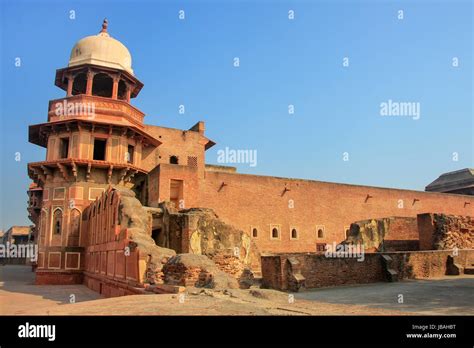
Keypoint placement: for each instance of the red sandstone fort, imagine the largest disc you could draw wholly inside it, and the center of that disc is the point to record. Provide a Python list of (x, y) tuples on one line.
[(116, 198)]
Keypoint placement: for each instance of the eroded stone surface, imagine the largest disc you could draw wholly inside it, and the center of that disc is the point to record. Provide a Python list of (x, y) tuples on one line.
[(231, 249), (385, 234), (134, 219), (453, 232)]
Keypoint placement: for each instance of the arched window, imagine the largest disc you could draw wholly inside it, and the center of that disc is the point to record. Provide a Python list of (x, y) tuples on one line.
[(294, 233), (79, 84), (102, 85), (320, 233), (57, 221), (173, 160), (254, 233), (275, 233), (75, 227)]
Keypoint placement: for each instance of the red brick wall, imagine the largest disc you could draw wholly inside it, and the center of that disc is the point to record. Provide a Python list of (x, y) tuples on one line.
[(321, 271), (159, 184), (248, 201), (402, 229), (174, 142), (426, 264), (425, 230)]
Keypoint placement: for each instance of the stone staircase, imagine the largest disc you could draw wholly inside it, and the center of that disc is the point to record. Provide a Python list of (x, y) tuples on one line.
[(296, 280), (454, 268), (390, 272), (469, 269)]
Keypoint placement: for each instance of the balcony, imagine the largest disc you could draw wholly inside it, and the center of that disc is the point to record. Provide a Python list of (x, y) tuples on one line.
[(69, 168), (96, 108)]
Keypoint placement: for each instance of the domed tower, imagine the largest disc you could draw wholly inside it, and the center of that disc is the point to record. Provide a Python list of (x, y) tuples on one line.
[(94, 138)]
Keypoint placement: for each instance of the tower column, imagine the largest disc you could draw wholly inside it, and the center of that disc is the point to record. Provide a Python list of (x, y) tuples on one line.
[(70, 81), (90, 79), (116, 79), (128, 92)]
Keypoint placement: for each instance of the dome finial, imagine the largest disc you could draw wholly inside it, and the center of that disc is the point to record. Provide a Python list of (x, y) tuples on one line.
[(105, 23)]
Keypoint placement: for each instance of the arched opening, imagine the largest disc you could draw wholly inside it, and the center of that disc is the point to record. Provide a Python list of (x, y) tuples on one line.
[(75, 224), (57, 221), (158, 236), (275, 233), (79, 84), (254, 233), (122, 90), (320, 233), (102, 85), (173, 160), (294, 233)]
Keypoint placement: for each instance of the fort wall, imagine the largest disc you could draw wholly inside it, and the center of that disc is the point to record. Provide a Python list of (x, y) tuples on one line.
[(316, 270), (261, 202)]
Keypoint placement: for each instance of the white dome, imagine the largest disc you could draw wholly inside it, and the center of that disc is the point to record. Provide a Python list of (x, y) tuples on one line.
[(101, 50)]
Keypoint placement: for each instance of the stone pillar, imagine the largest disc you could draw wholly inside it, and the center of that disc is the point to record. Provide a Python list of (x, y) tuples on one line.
[(90, 79), (128, 93), (115, 87), (70, 81)]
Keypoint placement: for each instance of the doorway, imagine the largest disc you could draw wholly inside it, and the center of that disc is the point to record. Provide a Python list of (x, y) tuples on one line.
[(157, 236)]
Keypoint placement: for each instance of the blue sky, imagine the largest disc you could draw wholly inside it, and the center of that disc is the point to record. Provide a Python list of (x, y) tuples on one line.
[(282, 62)]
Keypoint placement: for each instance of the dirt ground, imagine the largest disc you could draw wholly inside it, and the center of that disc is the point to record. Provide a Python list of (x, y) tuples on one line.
[(18, 295), (441, 296)]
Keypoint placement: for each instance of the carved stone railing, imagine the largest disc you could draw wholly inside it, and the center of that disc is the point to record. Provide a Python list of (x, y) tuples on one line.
[(93, 108)]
